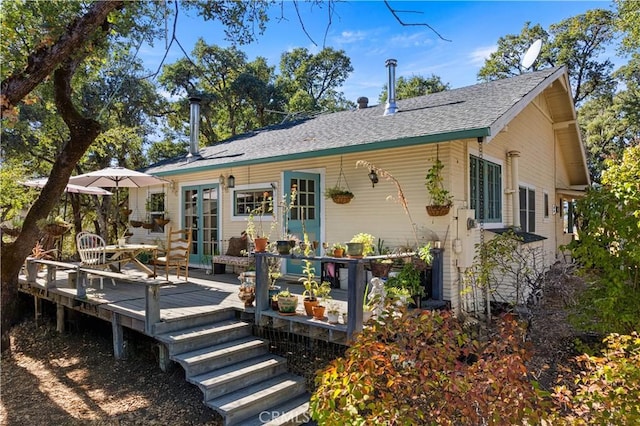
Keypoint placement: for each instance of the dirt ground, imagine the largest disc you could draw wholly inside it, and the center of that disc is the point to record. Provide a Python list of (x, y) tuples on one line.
[(73, 379)]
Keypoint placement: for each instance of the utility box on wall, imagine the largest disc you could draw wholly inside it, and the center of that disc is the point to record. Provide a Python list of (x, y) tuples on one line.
[(464, 244)]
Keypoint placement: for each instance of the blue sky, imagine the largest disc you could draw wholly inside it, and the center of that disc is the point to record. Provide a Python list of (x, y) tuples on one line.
[(369, 34)]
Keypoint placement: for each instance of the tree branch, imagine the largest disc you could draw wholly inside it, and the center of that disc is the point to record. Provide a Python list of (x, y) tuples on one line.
[(395, 12), (45, 59)]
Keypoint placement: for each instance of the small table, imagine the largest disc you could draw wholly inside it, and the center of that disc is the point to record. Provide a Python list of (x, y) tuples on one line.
[(129, 252)]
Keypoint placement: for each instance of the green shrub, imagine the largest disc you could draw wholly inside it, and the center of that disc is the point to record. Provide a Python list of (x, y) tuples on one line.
[(608, 249), (423, 368), (608, 390)]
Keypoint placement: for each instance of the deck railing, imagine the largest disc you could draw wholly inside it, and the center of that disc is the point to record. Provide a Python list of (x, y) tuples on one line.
[(355, 286)]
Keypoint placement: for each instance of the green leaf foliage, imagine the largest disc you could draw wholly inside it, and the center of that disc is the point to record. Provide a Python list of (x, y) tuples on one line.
[(608, 248)]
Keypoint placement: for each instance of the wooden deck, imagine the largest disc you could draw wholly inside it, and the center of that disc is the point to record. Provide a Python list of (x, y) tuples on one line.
[(180, 300)]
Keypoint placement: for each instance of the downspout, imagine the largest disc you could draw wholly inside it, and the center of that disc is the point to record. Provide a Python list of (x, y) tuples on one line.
[(515, 195)]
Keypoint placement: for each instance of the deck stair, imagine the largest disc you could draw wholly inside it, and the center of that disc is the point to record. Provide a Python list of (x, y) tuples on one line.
[(238, 376)]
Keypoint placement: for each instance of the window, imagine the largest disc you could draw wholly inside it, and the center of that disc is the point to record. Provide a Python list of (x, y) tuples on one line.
[(527, 209), (546, 205), (247, 200), (155, 207), (568, 219), (487, 176)]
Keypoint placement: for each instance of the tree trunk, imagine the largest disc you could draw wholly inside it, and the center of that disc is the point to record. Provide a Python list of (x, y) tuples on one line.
[(82, 132)]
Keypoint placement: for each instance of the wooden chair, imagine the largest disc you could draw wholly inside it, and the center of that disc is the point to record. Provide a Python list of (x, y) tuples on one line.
[(91, 248), (177, 253)]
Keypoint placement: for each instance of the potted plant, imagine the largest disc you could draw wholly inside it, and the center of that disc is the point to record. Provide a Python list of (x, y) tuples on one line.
[(338, 194), (333, 314), (381, 267), (441, 199), (256, 232), (54, 227), (397, 295), (361, 245), (338, 249), (408, 278), (287, 302), (322, 293), (247, 293)]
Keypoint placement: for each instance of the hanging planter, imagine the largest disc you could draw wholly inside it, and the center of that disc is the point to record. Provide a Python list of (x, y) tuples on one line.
[(148, 225), (135, 223), (161, 221), (438, 210), (341, 198), (339, 194), (441, 199)]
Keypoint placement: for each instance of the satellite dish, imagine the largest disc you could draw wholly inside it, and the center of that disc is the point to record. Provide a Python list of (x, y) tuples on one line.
[(532, 54)]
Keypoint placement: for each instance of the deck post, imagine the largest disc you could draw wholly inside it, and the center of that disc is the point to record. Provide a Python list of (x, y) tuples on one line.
[(37, 306), (118, 336), (81, 280), (152, 307), (262, 286), (163, 358), (51, 276), (32, 271), (355, 297), (59, 317)]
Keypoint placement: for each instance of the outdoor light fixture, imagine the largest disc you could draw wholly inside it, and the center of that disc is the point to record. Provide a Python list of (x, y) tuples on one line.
[(231, 182), (373, 177)]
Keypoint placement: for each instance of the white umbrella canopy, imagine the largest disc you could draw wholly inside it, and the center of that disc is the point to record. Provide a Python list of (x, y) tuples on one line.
[(118, 177), (70, 188)]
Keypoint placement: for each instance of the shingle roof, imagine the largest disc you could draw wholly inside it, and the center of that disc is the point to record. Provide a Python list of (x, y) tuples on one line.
[(467, 112)]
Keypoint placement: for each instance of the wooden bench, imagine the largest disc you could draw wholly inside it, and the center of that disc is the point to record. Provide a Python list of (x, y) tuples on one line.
[(241, 262)]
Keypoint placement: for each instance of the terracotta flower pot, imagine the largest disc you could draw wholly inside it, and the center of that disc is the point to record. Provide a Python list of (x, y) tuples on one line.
[(318, 312), (309, 304), (261, 244)]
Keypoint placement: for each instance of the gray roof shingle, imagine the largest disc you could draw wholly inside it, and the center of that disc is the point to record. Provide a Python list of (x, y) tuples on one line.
[(454, 114)]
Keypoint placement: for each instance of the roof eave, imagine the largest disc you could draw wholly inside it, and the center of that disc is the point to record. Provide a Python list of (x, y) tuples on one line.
[(373, 146), (519, 106)]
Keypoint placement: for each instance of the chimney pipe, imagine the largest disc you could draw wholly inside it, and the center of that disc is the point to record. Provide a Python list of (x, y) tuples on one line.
[(194, 122), (391, 108), (363, 102)]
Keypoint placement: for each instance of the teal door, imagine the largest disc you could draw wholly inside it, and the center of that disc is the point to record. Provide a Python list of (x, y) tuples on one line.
[(305, 214), (200, 212)]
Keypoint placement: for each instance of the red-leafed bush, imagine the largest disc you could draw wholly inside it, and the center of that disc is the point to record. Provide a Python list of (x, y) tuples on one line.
[(424, 368)]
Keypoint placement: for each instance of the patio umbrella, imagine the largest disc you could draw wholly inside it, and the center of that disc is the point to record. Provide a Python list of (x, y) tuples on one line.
[(116, 177), (70, 188), (74, 189)]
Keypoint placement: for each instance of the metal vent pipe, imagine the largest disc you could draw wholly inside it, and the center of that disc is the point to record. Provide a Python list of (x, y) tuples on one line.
[(194, 126), (391, 108)]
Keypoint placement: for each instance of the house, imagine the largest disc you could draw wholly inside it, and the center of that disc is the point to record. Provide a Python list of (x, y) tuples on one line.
[(512, 146)]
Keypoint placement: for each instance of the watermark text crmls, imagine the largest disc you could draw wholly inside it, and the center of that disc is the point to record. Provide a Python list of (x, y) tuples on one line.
[(267, 416)]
